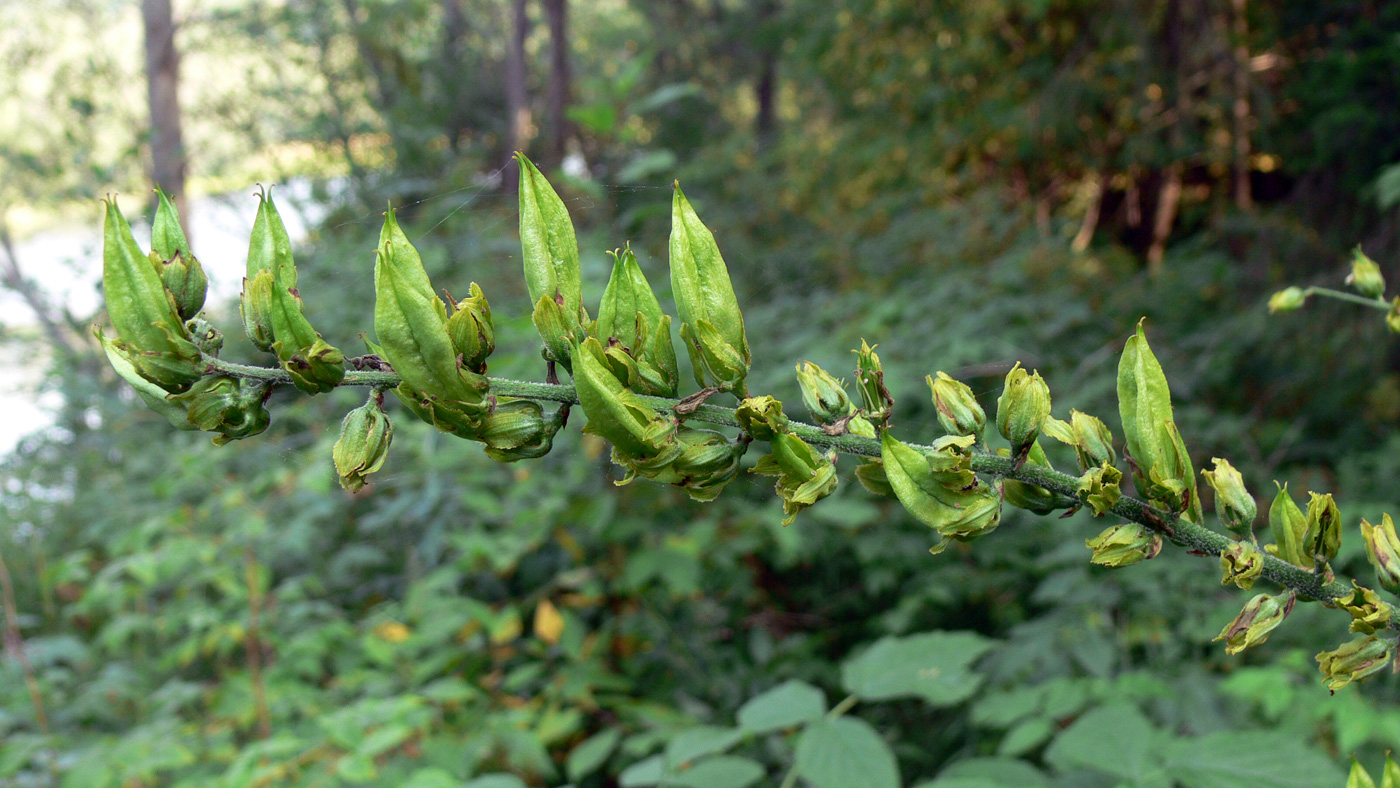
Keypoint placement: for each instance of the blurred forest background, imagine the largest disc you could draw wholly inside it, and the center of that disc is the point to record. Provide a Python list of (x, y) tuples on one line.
[(970, 184)]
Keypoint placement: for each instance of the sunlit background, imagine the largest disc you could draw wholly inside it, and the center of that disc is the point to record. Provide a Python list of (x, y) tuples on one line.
[(969, 184)]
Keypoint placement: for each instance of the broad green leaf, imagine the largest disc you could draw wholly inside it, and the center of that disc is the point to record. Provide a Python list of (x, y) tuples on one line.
[(931, 665), (1026, 736), (1004, 709), (999, 771), (721, 771), (591, 753), (785, 706), (843, 753), (1116, 739), (647, 771), (495, 781), (431, 777), (701, 740), (1260, 760)]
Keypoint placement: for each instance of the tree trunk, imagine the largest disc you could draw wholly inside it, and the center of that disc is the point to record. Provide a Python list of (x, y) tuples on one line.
[(1244, 197), (556, 15), (162, 84), (765, 122), (517, 100)]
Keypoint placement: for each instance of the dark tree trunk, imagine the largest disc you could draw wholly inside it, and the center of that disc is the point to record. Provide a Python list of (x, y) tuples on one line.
[(556, 14), (1244, 198), (162, 84), (517, 100), (765, 123)]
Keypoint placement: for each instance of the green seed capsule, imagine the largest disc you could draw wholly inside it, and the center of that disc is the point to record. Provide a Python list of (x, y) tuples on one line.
[(825, 396), (1233, 503), (1163, 466), (1260, 617), (148, 326), (411, 325), (154, 396), (1323, 535), (1241, 563), (550, 252), (1370, 614), (179, 270), (1365, 275), (957, 406), (365, 435), (711, 324), (1354, 661), (233, 408), (1289, 527), (1023, 407), (470, 328), (631, 317), (1287, 299), (939, 489), (1124, 545), (1101, 488), (1383, 551)]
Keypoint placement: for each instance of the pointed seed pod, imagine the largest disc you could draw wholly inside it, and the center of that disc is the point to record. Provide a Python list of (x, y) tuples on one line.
[(1124, 545), (1241, 563), (548, 245), (876, 402), (1289, 527), (470, 328), (1163, 466), (365, 435), (1234, 505), (711, 324), (142, 311), (1358, 778), (631, 316), (179, 270), (825, 396), (517, 430), (155, 397), (957, 406), (1323, 535), (1354, 661), (1383, 551), (1365, 276), (1022, 408), (1261, 616)]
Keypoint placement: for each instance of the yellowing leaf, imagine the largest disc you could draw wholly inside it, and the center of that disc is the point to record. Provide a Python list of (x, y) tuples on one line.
[(549, 624)]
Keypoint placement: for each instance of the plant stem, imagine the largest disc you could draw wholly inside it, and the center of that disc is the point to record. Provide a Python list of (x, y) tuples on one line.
[(1342, 295), (1194, 537)]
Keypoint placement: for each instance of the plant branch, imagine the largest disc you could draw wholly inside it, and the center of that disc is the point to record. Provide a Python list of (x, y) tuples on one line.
[(1196, 538), (1342, 295)]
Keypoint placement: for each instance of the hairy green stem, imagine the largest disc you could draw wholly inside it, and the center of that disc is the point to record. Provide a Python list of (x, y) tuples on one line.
[(1196, 538)]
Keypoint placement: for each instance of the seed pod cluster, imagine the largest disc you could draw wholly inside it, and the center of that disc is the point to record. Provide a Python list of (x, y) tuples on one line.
[(433, 354)]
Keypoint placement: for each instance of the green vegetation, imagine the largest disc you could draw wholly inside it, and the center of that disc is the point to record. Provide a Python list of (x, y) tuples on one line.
[(972, 185)]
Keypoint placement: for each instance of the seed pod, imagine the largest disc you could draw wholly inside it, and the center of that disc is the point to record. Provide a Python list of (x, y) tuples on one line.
[(154, 396), (1260, 617), (804, 475), (1289, 527), (1365, 276), (411, 325), (761, 417), (142, 311), (365, 435), (940, 490), (181, 273), (233, 408), (470, 328), (550, 253), (1383, 550), (1124, 545), (707, 463), (275, 306), (876, 402), (957, 406), (1023, 407), (824, 395), (1323, 536), (517, 430), (1369, 613), (1092, 442), (1358, 778), (1354, 661), (1392, 317), (615, 414), (1163, 466), (630, 315), (1233, 503), (1241, 563), (1027, 496), (1101, 488), (1287, 299), (712, 326)]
